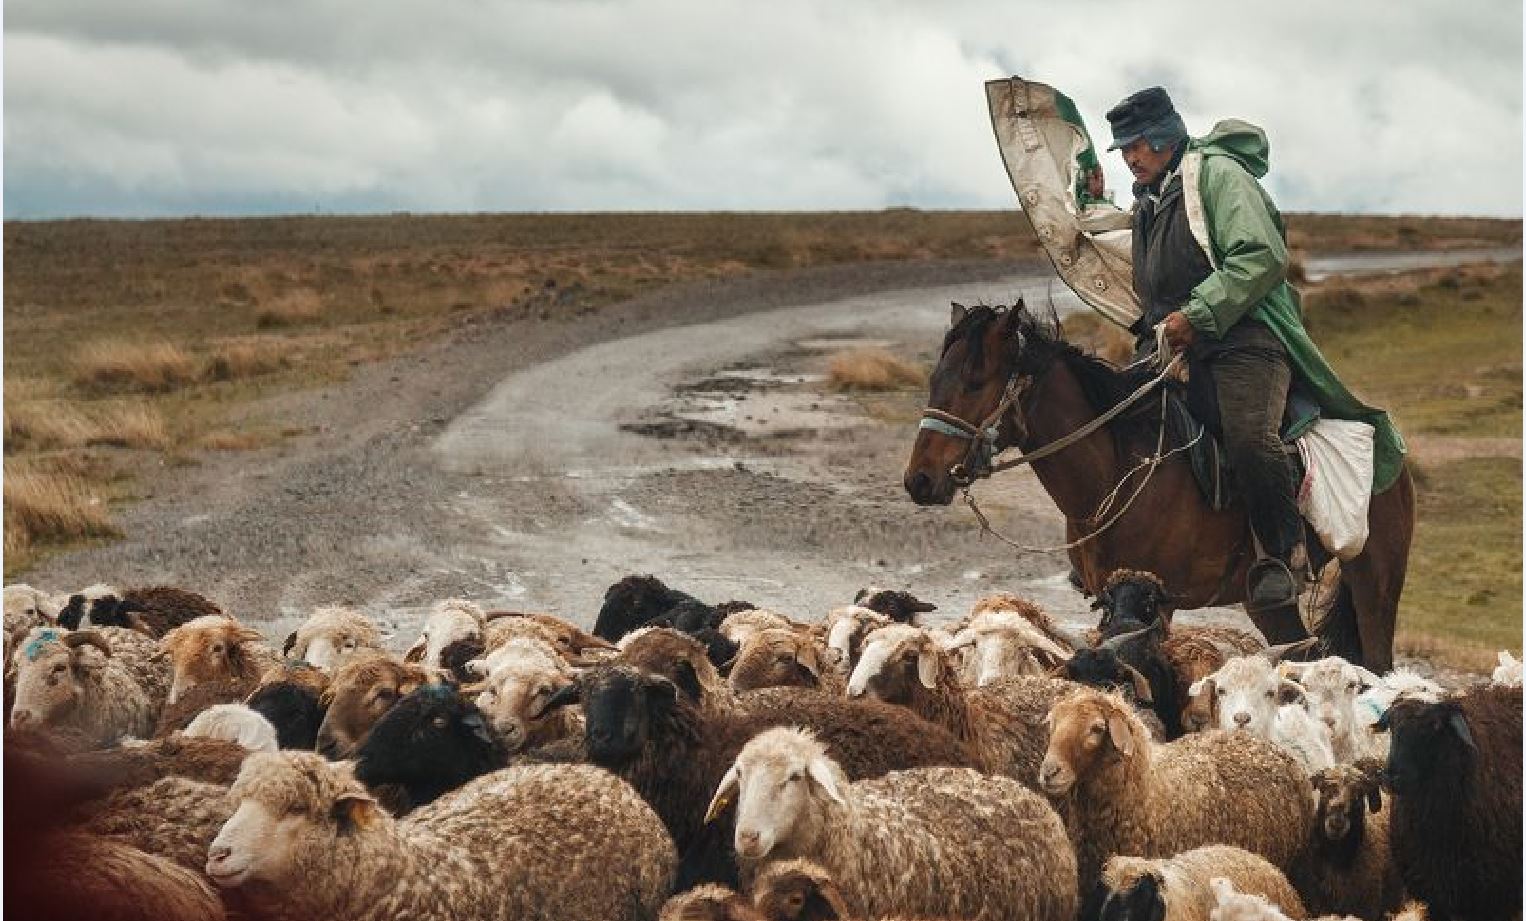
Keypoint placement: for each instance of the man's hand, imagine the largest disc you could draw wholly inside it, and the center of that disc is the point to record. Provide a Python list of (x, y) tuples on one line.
[(1179, 331)]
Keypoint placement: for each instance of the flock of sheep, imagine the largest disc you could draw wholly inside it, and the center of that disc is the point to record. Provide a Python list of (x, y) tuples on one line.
[(694, 761)]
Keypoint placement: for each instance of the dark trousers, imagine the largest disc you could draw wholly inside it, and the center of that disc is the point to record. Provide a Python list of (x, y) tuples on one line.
[(1251, 384)]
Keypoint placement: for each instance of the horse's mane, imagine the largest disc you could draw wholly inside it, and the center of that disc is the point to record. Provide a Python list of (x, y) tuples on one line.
[(1039, 341)]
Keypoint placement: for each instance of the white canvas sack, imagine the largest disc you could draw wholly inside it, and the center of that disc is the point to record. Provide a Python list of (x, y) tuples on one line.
[(1337, 483)]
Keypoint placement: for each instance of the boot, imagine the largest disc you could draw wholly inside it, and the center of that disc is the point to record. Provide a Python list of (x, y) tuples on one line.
[(1271, 596)]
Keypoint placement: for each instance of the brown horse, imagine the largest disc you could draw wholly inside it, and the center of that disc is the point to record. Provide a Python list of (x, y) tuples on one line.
[(1201, 554)]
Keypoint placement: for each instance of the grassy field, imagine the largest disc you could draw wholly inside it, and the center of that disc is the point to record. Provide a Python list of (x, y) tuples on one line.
[(130, 343)]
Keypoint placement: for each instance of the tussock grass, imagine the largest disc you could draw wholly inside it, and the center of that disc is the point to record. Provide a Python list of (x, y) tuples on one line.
[(121, 367), (129, 425), (873, 369), (245, 359), (292, 308), (55, 424), (55, 507)]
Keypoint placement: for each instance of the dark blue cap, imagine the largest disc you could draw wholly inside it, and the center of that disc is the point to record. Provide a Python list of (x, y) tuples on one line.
[(1146, 114)]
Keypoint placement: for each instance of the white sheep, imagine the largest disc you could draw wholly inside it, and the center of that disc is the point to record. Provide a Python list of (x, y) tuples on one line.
[(739, 625), (105, 683), (454, 620), (236, 723), (1250, 694), (1005, 644), (523, 676), (1508, 672), (846, 628), (554, 842), (331, 636), (1331, 688), (1180, 888), (927, 841)]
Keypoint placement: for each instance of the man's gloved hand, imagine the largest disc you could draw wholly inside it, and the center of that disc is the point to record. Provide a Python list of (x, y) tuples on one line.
[(1179, 331)]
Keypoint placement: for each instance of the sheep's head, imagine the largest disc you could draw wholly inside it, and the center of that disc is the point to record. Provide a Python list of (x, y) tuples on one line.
[(896, 660), (625, 710), (631, 602), (52, 668), (361, 692), (901, 607), (292, 809), (208, 649), (677, 657), (691, 616), (1344, 795), (1088, 730), (1331, 687), (709, 902), (331, 636), (292, 708), (1429, 743), (1129, 889), (450, 621), (798, 890), (781, 783), (1131, 596), (1247, 690), (1003, 644), (523, 678), (433, 740), (574, 644), (777, 658), (742, 625), (1101, 668), (847, 627)]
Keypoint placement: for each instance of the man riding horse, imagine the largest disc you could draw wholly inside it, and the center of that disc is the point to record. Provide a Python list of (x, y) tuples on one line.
[(1210, 262)]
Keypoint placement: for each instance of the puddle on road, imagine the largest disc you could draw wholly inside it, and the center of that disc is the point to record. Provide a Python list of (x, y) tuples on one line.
[(763, 414), (832, 343)]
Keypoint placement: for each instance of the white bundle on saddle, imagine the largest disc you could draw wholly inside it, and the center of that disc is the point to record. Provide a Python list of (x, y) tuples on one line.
[(1337, 483)]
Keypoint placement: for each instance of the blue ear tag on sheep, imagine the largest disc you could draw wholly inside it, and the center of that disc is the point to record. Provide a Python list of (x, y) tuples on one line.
[(47, 637)]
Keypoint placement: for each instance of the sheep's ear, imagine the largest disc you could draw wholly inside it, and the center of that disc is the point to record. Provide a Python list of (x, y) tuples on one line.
[(354, 812), (415, 652), (927, 666), (821, 772), (724, 794), (570, 694), (806, 658), (1460, 726), (1118, 732), (286, 647), (687, 680), (1374, 796), (1141, 686), (957, 313)]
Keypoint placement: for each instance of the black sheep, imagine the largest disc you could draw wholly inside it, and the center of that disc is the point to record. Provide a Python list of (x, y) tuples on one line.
[(901, 607), (294, 709), (1454, 769), (433, 741), (636, 601), (1131, 599)]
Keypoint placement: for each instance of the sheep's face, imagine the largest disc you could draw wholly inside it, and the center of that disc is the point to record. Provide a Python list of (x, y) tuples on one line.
[(451, 621), (1201, 711), (1086, 730), (901, 607), (515, 698), (293, 710), (847, 627), (361, 693), (1142, 899), (1332, 686), (206, 649), (776, 658), (674, 656), (50, 678), (620, 706), (778, 782), (433, 737), (1344, 795), (1429, 742), (895, 661), (796, 890), (292, 807), (1248, 692), (1130, 602)]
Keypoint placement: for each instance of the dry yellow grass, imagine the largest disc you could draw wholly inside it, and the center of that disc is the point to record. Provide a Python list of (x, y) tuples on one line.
[(873, 369), (118, 367), (45, 425), (245, 359), (54, 507), (293, 308), (129, 425)]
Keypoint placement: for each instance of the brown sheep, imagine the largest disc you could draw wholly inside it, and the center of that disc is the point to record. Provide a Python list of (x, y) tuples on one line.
[(175, 755), (152, 611), (1181, 888), (709, 902), (215, 648), (576, 645), (777, 657), (106, 683), (1124, 794), (681, 659), (173, 817), (546, 842), (1347, 868), (361, 692), (1002, 722), (846, 628), (178, 715)]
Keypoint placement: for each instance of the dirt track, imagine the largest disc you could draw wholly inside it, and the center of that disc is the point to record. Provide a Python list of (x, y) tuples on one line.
[(494, 465)]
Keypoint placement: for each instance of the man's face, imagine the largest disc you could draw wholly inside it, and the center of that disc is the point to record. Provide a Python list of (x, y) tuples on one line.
[(1147, 165)]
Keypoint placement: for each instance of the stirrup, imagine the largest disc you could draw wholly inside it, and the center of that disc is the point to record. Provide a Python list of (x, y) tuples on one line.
[(1270, 586)]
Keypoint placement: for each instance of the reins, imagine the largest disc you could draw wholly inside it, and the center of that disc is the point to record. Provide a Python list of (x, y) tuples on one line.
[(979, 461)]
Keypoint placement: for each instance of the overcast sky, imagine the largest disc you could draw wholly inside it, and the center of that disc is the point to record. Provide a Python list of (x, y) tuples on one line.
[(159, 107)]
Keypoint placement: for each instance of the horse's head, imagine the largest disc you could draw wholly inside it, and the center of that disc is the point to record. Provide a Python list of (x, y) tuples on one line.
[(983, 353)]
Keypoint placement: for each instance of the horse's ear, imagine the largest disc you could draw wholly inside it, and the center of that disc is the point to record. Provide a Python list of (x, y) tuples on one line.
[(957, 314)]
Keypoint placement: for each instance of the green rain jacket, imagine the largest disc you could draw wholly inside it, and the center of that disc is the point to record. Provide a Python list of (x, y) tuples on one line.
[(1241, 231)]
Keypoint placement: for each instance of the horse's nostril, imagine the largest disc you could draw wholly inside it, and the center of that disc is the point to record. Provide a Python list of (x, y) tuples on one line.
[(918, 484)]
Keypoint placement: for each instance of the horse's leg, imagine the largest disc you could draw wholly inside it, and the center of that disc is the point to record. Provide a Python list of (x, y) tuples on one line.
[(1341, 636), (1376, 577)]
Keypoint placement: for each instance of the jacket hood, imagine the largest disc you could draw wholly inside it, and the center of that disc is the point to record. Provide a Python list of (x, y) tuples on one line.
[(1241, 140)]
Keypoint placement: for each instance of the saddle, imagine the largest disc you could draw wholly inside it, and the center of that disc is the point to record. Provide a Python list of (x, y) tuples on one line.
[(1210, 463)]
